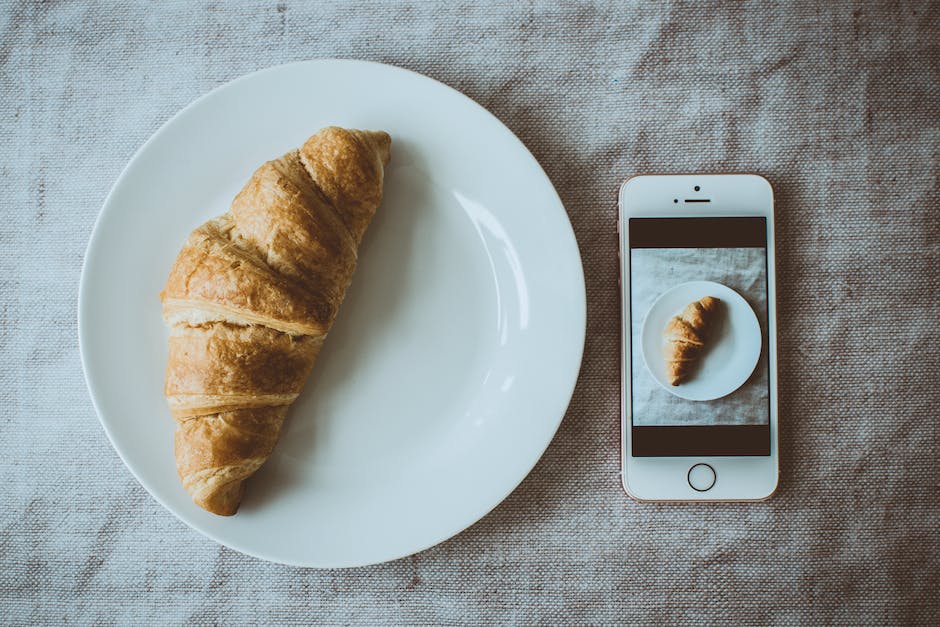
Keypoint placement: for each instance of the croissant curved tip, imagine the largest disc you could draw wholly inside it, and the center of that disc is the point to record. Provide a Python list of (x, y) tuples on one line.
[(385, 146), (709, 302), (224, 501), (380, 141), (674, 374)]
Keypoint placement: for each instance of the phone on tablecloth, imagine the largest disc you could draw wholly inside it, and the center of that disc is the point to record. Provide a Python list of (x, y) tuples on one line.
[(699, 376)]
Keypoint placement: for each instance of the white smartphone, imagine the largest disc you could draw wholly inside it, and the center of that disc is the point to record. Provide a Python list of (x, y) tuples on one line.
[(699, 421)]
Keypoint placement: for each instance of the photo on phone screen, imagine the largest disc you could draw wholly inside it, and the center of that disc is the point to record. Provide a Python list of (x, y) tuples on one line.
[(668, 252)]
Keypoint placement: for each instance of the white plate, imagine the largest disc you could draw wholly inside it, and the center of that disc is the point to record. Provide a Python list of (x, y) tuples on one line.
[(453, 358), (733, 350)]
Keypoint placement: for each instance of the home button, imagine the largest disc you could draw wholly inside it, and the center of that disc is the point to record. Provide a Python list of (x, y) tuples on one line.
[(701, 477)]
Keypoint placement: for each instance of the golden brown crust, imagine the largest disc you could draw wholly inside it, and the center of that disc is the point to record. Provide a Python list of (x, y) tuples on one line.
[(283, 214), (216, 453), (219, 366), (348, 166), (686, 336), (211, 270), (250, 299)]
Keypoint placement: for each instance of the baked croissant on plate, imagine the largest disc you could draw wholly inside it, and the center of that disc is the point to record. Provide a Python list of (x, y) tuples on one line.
[(686, 336), (250, 299)]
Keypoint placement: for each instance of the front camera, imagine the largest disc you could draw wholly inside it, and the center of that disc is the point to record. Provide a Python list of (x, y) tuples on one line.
[(696, 188)]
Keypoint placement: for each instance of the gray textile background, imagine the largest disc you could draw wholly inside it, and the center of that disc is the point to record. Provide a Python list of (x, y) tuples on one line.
[(654, 271), (838, 104)]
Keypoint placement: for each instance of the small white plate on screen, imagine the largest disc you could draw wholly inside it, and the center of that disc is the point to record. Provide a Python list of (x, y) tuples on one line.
[(733, 348), (454, 355)]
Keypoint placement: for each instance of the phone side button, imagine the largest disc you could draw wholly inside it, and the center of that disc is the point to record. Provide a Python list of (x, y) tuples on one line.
[(701, 477)]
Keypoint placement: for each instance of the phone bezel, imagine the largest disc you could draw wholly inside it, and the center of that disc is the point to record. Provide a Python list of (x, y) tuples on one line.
[(740, 478)]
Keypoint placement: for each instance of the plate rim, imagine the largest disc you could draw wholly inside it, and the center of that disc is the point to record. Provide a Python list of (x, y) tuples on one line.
[(646, 321), (107, 207)]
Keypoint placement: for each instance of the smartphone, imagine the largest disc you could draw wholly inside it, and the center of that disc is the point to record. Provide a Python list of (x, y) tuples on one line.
[(699, 404)]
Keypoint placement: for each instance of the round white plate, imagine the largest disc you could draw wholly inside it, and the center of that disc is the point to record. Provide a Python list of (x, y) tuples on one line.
[(455, 353), (733, 348)]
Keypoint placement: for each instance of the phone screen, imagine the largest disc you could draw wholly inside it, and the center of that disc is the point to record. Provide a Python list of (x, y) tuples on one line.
[(667, 254)]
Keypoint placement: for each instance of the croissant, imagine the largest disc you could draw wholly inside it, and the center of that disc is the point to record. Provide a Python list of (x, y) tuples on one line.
[(686, 336), (249, 302)]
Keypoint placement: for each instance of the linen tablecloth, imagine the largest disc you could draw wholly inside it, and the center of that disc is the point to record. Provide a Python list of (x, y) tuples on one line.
[(837, 104)]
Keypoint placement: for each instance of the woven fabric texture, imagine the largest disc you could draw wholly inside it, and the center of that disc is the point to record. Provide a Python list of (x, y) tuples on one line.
[(837, 104)]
